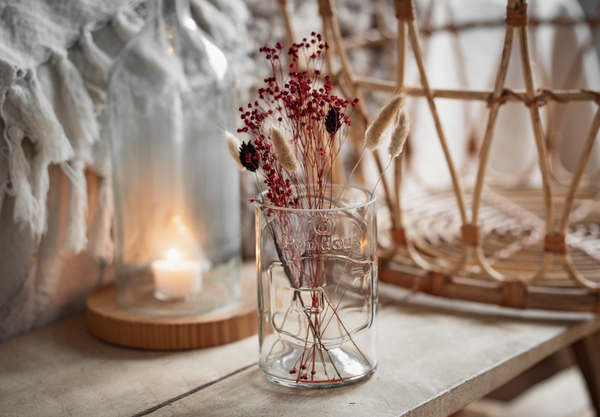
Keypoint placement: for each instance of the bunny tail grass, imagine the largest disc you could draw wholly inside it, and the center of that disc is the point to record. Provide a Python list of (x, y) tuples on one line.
[(374, 133), (284, 151), (400, 134), (233, 146)]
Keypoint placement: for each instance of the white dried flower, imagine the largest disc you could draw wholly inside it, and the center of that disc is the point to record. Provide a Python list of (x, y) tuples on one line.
[(400, 134), (385, 116), (284, 151), (233, 146)]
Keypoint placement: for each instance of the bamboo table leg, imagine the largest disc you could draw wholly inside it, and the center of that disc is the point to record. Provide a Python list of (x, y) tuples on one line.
[(587, 354)]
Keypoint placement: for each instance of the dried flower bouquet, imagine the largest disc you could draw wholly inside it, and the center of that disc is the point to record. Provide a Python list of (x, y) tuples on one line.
[(322, 236)]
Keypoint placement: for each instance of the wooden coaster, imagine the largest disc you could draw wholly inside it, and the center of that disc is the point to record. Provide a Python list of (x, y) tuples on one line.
[(113, 323)]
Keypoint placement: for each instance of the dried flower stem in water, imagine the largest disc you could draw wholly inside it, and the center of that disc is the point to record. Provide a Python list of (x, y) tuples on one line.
[(297, 127)]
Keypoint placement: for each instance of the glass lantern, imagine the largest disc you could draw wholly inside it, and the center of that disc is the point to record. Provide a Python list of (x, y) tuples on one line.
[(176, 190)]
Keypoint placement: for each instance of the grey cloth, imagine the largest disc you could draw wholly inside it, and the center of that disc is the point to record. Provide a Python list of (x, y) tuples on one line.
[(31, 29)]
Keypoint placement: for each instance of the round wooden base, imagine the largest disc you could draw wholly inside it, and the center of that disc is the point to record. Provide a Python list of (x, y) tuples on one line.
[(113, 323)]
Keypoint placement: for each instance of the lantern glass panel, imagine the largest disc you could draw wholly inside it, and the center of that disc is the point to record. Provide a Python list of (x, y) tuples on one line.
[(176, 190)]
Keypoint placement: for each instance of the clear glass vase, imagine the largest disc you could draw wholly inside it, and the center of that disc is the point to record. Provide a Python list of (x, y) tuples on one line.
[(176, 191), (318, 291)]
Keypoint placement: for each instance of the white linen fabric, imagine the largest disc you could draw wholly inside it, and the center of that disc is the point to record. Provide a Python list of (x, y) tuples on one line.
[(55, 189)]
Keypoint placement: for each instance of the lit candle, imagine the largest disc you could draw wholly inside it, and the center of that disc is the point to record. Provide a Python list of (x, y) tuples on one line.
[(175, 277)]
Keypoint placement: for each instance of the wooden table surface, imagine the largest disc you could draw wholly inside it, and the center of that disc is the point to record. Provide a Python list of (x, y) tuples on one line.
[(435, 356)]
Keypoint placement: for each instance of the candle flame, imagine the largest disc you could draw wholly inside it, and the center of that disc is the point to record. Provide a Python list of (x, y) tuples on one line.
[(173, 256)]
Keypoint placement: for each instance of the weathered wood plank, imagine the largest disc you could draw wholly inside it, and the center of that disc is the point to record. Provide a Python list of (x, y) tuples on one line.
[(433, 361), (563, 395), (62, 370), (587, 354), (436, 356)]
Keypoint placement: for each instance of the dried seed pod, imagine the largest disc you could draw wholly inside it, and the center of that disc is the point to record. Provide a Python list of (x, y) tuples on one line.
[(332, 121), (284, 151), (400, 134), (233, 146), (249, 157), (385, 116)]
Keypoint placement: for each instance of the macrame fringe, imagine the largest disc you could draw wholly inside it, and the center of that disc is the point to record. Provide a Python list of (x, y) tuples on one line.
[(4, 170), (75, 237), (95, 56), (100, 240), (102, 245), (101, 61), (78, 102), (40, 125), (55, 148), (29, 180), (123, 27), (85, 132), (26, 207), (31, 115)]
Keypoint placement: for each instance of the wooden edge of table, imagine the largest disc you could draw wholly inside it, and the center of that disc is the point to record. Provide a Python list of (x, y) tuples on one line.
[(489, 292)]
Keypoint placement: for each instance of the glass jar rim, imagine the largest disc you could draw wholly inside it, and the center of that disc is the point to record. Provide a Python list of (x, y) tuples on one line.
[(373, 197)]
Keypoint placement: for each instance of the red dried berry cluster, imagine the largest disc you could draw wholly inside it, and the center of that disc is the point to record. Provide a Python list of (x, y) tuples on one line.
[(302, 105)]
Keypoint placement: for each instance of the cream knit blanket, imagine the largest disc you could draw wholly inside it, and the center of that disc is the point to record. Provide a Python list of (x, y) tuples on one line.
[(62, 118)]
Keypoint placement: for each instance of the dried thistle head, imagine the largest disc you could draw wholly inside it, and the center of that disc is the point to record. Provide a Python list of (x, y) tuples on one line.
[(400, 133), (249, 157), (332, 121), (374, 133), (233, 146), (284, 151)]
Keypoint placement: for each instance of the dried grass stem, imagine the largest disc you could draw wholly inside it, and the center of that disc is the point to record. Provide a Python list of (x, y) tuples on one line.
[(233, 146), (284, 150), (400, 134), (374, 133)]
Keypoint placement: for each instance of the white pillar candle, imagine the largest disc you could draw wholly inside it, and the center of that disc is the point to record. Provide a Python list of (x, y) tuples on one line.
[(175, 277)]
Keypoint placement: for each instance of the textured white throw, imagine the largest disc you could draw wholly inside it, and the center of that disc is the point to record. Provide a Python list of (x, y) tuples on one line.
[(54, 63), (59, 118)]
